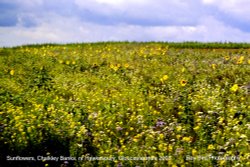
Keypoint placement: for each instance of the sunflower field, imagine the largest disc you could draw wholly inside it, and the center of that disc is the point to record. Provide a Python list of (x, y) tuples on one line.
[(125, 104)]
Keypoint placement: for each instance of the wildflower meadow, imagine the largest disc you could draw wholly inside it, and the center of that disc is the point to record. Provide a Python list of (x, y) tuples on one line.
[(125, 104)]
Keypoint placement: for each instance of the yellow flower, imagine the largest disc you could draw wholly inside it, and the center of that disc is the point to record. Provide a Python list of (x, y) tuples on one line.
[(155, 112), (161, 136), (161, 146), (73, 62), (170, 148), (240, 60), (67, 62), (12, 72), (135, 140), (183, 69), (222, 162), (115, 68), (196, 128), (186, 139), (178, 128), (210, 147), (178, 136), (234, 88), (248, 61), (183, 82), (126, 65), (213, 66), (181, 107), (165, 77), (221, 120), (194, 152), (226, 57)]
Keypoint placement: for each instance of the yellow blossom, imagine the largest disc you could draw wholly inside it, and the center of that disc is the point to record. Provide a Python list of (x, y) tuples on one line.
[(221, 120), (226, 57), (111, 66), (183, 69), (186, 139), (161, 136), (126, 65), (240, 60), (170, 148), (178, 128), (196, 128), (222, 162), (213, 66), (115, 68), (234, 88), (165, 77), (135, 140), (178, 136), (183, 82), (210, 147), (12, 72), (194, 152)]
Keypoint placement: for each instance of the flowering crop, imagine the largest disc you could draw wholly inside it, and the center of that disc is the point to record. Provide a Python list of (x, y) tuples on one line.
[(140, 104)]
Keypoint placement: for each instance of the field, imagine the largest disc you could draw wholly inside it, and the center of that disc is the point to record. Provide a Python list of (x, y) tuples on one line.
[(125, 104)]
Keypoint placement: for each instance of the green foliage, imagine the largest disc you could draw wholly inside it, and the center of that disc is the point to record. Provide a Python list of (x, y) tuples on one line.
[(175, 103)]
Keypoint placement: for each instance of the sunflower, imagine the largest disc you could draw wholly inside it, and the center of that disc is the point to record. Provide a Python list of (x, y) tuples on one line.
[(126, 65), (240, 60), (183, 82), (227, 58), (12, 72)]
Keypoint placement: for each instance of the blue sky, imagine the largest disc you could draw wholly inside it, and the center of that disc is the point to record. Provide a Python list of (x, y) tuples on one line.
[(66, 21)]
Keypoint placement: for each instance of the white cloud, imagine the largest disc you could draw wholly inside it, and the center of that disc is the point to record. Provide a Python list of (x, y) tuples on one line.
[(25, 3), (208, 1), (40, 21), (153, 11), (238, 8), (119, 2), (65, 30)]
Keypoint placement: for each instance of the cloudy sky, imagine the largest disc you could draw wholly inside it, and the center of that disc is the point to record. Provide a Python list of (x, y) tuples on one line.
[(66, 21)]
